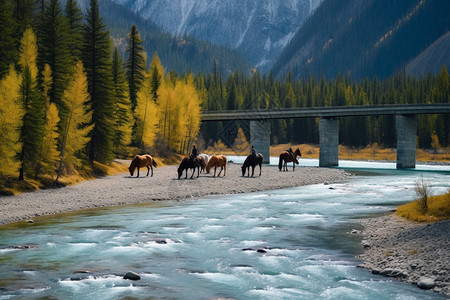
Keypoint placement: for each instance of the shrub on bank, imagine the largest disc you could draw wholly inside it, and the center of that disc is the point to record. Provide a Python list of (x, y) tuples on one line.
[(438, 209)]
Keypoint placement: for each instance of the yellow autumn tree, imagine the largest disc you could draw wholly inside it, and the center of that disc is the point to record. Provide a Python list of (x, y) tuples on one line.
[(28, 52), (241, 145), (146, 113), (75, 130), (11, 114), (191, 106), (49, 151), (179, 114)]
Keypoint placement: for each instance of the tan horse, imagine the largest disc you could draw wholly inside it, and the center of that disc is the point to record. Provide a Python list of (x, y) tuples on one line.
[(140, 161), (286, 157), (217, 161)]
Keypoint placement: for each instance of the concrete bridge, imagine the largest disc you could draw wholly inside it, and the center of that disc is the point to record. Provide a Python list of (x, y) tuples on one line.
[(406, 123)]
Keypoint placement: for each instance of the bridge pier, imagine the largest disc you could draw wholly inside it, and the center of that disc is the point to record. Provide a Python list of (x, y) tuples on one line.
[(260, 138), (406, 141), (329, 142)]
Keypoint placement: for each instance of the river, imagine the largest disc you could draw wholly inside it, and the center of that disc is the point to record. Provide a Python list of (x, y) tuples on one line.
[(287, 244)]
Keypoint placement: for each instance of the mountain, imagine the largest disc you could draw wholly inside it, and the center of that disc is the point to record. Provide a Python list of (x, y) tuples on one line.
[(431, 59), (364, 38), (182, 54), (259, 29)]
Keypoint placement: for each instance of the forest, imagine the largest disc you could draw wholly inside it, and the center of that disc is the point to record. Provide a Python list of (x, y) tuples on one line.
[(261, 91), (69, 98)]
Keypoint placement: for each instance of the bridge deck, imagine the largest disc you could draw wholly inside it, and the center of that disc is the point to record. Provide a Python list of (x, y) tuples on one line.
[(327, 112)]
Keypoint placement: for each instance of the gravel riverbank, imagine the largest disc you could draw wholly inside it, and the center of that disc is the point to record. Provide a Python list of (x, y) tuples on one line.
[(122, 189), (413, 252)]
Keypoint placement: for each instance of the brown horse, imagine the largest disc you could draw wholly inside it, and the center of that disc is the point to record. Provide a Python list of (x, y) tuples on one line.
[(217, 161), (286, 157), (191, 163), (140, 161)]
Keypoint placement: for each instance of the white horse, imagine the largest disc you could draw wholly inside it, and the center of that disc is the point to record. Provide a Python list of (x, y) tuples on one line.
[(206, 158)]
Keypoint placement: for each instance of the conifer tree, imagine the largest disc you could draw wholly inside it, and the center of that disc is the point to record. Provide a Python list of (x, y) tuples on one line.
[(123, 114), (54, 51), (135, 65), (8, 52), (96, 55), (75, 19), (49, 152), (33, 104), (11, 114), (76, 132)]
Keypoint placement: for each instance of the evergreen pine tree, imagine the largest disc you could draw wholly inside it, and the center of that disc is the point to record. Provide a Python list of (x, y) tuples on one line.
[(75, 19), (135, 65), (8, 52), (122, 104), (49, 151), (54, 51), (33, 121), (96, 54)]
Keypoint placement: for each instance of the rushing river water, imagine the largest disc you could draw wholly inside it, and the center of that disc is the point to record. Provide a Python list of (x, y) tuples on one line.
[(286, 244)]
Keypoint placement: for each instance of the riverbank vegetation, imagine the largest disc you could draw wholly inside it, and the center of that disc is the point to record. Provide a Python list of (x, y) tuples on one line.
[(426, 208)]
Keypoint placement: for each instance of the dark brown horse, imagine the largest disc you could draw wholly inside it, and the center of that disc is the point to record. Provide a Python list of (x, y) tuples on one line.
[(191, 163), (252, 161), (286, 157), (140, 161)]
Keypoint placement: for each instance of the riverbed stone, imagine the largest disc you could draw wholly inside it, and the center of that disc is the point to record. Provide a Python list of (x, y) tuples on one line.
[(132, 276), (426, 283)]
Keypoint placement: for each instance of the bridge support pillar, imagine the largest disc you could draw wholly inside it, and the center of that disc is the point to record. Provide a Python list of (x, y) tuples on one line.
[(406, 141), (260, 138), (329, 142)]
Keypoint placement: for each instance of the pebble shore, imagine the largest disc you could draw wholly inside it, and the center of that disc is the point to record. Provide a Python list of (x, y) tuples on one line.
[(417, 253), (122, 189)]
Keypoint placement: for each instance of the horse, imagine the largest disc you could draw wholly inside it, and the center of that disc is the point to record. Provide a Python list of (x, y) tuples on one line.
[(140, 161), (217, 161), (191, 163), (286, 157), (205, 158), (252, 161)]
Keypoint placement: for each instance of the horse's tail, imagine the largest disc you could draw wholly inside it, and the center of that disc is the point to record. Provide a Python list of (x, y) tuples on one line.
[(154, 163), (280, 163)]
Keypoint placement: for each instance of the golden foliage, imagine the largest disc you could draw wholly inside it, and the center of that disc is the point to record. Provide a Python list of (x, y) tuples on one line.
[(146, 111), (241, 145), (438, 209), (76, 129), (28, 52), (11, 114)]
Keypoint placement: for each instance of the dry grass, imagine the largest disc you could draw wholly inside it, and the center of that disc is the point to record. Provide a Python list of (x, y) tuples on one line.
[(371, 152), (438, 209)]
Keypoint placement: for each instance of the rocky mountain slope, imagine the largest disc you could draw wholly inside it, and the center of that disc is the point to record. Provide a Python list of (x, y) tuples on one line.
[(259, 29), (363, 38)]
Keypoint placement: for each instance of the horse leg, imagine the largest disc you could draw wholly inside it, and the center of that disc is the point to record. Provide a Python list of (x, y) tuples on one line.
[(193, 172), (152, 170), (293, 166), (148, 170), (260, 165), (186, 173), (137, 172), (253, 170)]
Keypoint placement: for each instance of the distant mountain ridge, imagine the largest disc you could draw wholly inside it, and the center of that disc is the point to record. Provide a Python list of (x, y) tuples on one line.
[(259, 29), (364, 38), (182, 54)]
